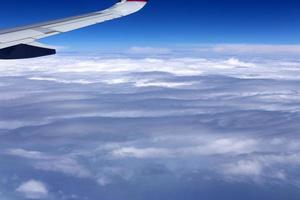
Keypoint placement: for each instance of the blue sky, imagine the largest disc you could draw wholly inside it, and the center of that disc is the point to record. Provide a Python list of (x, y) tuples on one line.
[(168, 23)]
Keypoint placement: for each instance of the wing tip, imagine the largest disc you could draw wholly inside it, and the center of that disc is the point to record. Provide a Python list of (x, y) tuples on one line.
[(138, 0), (127, 7), (142, 1)]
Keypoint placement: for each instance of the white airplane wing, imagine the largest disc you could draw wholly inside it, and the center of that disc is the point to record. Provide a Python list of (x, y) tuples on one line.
[(21, 42)]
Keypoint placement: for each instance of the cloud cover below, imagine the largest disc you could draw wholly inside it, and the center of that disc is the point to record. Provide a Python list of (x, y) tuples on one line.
[(125, 127)]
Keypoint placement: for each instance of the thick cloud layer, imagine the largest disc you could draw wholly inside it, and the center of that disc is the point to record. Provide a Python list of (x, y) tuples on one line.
[(149, 128)]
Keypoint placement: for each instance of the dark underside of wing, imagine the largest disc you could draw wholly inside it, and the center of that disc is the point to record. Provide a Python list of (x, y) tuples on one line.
[(22, 51)]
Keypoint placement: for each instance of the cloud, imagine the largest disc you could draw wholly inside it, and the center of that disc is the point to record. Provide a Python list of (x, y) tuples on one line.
[(118, 70), (149, 50), (286, 50), (104, 181), (144, 83), (26, 154), (244, 168), (14, 124), (237, 62), (141, 153), (112, 66), (65, 164), (121, 123), (33, 189), (59, 80), (276, 164), (256, 49), (203, 145)]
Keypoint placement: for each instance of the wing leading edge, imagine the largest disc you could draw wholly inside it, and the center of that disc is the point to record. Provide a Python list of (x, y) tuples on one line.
[(20, 43)]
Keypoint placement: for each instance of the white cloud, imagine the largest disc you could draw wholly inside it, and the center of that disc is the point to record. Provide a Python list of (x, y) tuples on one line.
[(64, 164), (141, 153), (261, 167), (147, 83), (198, 146), (248, 50), (253, 49), (14, 124), (104, 181), (221, 49), (50, 79), (243, 168), (106, 175), (26, 154), (86, 66), (231, 141), (241, 158), (273, 159), (149, 50), (54, 68), (226, 146), (33, 189), (237, 62)]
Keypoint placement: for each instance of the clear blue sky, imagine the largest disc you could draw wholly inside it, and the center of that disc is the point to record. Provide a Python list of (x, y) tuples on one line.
[(164, 23)]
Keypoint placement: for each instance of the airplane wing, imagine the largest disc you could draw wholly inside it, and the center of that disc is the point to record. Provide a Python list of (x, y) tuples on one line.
[(21, 42)]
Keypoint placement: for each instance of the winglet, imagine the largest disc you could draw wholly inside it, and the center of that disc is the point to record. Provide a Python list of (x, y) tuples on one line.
[(127, 7), (138, 0), (134, 0)]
